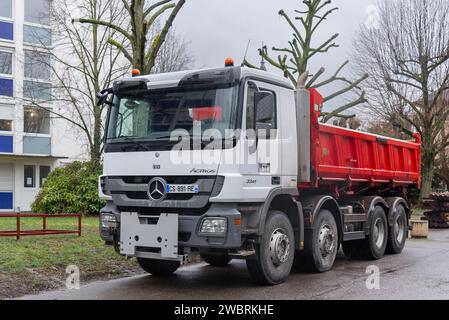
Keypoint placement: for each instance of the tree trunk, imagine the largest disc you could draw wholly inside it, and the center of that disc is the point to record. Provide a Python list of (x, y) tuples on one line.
[(95, 152), (428, 167)]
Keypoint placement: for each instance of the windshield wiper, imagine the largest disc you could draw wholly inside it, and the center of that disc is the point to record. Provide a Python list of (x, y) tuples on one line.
[(131, 144)]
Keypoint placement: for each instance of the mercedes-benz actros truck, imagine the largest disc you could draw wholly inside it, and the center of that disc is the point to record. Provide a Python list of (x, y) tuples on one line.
[(233, 163)]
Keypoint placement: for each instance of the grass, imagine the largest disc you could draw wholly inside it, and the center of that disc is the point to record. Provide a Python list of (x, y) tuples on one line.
[(37, 263)]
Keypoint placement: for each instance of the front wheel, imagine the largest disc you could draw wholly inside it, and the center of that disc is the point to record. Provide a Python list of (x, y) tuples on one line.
[(158, 267), (275, 253)]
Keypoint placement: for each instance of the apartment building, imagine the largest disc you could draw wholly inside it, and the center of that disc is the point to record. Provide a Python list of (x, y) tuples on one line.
[(28, 148)]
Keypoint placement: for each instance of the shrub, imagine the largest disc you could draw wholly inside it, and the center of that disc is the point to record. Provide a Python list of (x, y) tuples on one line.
[(70, 189)]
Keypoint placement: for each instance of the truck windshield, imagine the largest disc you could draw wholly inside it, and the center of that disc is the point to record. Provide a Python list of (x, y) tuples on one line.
[(157, 114)]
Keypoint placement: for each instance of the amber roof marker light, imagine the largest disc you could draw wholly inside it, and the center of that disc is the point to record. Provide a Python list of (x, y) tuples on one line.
[(135, 72), (229, 62)]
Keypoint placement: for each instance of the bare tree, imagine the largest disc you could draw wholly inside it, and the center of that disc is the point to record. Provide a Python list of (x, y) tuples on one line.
[(385, 128), (407, 57), (294, 59), (174, 54), (142, 16), (81, 63)]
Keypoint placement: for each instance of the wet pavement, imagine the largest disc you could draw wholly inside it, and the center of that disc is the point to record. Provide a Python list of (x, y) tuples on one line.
[(420, 272)]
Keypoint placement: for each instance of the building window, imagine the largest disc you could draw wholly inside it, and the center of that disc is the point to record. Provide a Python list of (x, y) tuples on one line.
[(5, 63), (37, 11), (6, 87), (44, 171), (6, 27), (6, 81), (6, 144), (29, 174), (36, 120), (6, 30), (6, 9), (38, 74), (37, 35), (37, 65), (5, 125), (37, 90)]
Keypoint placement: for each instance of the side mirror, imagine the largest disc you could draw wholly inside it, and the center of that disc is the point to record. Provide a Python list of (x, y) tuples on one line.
[(264, 112), (103, 95)]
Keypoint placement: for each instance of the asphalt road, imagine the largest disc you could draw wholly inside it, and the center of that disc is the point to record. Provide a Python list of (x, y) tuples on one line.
[(420, 272)]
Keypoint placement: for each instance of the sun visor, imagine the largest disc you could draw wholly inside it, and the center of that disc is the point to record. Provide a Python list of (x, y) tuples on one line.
[(130, 86), (216, 78)]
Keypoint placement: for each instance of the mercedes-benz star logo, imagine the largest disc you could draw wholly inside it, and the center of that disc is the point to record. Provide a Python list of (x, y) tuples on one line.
[(157, 189)]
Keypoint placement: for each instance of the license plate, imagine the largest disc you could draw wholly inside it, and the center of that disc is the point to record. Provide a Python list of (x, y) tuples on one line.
[(183, 188)]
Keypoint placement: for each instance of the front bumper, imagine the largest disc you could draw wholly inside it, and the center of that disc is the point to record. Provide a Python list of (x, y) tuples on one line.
[(189, 235)]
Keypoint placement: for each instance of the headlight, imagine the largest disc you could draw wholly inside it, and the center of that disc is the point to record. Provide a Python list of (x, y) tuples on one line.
[(108, 220), (214, 226)]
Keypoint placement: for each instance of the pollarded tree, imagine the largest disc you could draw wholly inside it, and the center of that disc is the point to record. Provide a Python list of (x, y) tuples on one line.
[(143, 14), (407, 57), (295, 58)]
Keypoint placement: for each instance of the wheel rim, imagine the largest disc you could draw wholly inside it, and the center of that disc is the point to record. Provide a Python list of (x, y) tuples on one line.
[(279, 247), (379, 232), (326, 241), (399, 228)]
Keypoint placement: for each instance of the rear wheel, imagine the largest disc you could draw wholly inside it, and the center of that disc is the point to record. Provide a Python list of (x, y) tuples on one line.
[(322, 245), (216, 260), (373, 247), (397, 233), (158, 267), (275, 252)]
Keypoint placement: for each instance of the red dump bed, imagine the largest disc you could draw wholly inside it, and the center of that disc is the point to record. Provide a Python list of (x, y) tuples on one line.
[(340, 154)]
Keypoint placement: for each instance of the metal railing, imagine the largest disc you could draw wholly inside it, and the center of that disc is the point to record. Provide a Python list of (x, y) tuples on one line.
[(19, 232)]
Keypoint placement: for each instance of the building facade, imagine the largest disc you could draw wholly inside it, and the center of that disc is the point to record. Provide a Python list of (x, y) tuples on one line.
[(28, 150)]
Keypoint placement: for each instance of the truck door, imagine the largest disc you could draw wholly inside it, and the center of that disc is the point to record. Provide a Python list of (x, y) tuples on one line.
[(262, 152)]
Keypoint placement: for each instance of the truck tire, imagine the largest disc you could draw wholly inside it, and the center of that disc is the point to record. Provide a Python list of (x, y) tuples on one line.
[(216, 260), (321, 244), (374, 246), (275, 252), (397, 233), (158, 267)]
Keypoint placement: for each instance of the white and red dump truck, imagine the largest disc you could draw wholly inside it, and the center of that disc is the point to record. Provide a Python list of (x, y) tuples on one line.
[(232, 163)]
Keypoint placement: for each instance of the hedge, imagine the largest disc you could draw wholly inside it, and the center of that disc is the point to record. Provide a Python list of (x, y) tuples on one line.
[(71, 189)]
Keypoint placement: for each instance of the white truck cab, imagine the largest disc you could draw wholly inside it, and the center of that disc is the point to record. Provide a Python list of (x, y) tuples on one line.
[(167, 200)]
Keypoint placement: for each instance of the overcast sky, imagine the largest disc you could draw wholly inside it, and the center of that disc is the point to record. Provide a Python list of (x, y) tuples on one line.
[(221, 28)]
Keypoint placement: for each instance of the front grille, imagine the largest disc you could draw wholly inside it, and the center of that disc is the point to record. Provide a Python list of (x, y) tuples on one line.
[(132, 191), (170, 180)]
